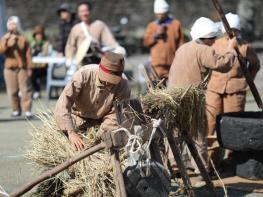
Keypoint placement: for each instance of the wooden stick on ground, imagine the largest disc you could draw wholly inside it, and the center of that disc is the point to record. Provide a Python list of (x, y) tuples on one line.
[(50, 173)]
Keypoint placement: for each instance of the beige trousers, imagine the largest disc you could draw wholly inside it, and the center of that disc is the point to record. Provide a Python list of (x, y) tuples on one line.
[(17, 80)]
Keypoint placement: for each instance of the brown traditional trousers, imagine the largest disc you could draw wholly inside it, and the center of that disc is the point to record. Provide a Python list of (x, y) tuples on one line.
[(163, 50), (222, 103), (17, 80)]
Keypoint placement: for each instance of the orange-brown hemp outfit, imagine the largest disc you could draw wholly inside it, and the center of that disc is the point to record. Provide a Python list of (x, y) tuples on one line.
[(163, 50), (227, 91)]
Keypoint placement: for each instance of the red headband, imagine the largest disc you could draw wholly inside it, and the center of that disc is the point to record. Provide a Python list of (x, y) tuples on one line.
[(106, 70)]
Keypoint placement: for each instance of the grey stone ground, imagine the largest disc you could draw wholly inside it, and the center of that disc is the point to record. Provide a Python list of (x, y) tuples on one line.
[(14, 136)]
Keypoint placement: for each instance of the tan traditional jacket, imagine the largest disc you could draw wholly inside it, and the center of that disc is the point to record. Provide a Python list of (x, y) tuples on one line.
[(16, 50), (162, 51), (193, 61), (233, 81), (89, 99), (99, 31)]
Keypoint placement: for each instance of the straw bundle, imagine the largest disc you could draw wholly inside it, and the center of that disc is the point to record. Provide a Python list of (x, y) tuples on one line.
[(182, 109), (92, 177)]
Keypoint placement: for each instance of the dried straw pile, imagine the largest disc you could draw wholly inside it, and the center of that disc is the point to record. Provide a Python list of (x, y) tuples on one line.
[(182, 109), (92, 177)]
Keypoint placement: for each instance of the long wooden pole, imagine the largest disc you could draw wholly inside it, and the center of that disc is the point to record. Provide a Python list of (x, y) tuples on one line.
[(50, 173), (199, 163), (120, 185), (179, 161), (241, 60)]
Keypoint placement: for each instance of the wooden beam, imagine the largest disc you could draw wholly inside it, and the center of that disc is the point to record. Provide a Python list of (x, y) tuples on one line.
[(178, 158), (199, 163), (50, 173), (119, 181)]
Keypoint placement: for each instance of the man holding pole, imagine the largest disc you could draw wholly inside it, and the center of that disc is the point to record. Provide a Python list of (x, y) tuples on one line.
[(227, 91), (195, 59), (240, 59)]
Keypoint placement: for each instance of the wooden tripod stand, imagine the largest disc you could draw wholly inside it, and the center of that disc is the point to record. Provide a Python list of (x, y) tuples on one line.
[(125, 115)]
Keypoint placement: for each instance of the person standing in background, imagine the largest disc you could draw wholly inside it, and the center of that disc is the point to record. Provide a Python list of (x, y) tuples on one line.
[(163, 36), (18, 68), (40, 47), (66, 21), (87, 38)]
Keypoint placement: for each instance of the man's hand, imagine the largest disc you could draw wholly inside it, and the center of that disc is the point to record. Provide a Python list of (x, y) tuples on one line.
[(161, 32), (161, 29), (232, 43), (76, 140)]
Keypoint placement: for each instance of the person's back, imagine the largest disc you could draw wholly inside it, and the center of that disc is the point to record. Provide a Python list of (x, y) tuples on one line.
[(193, 60), (187, 67)]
